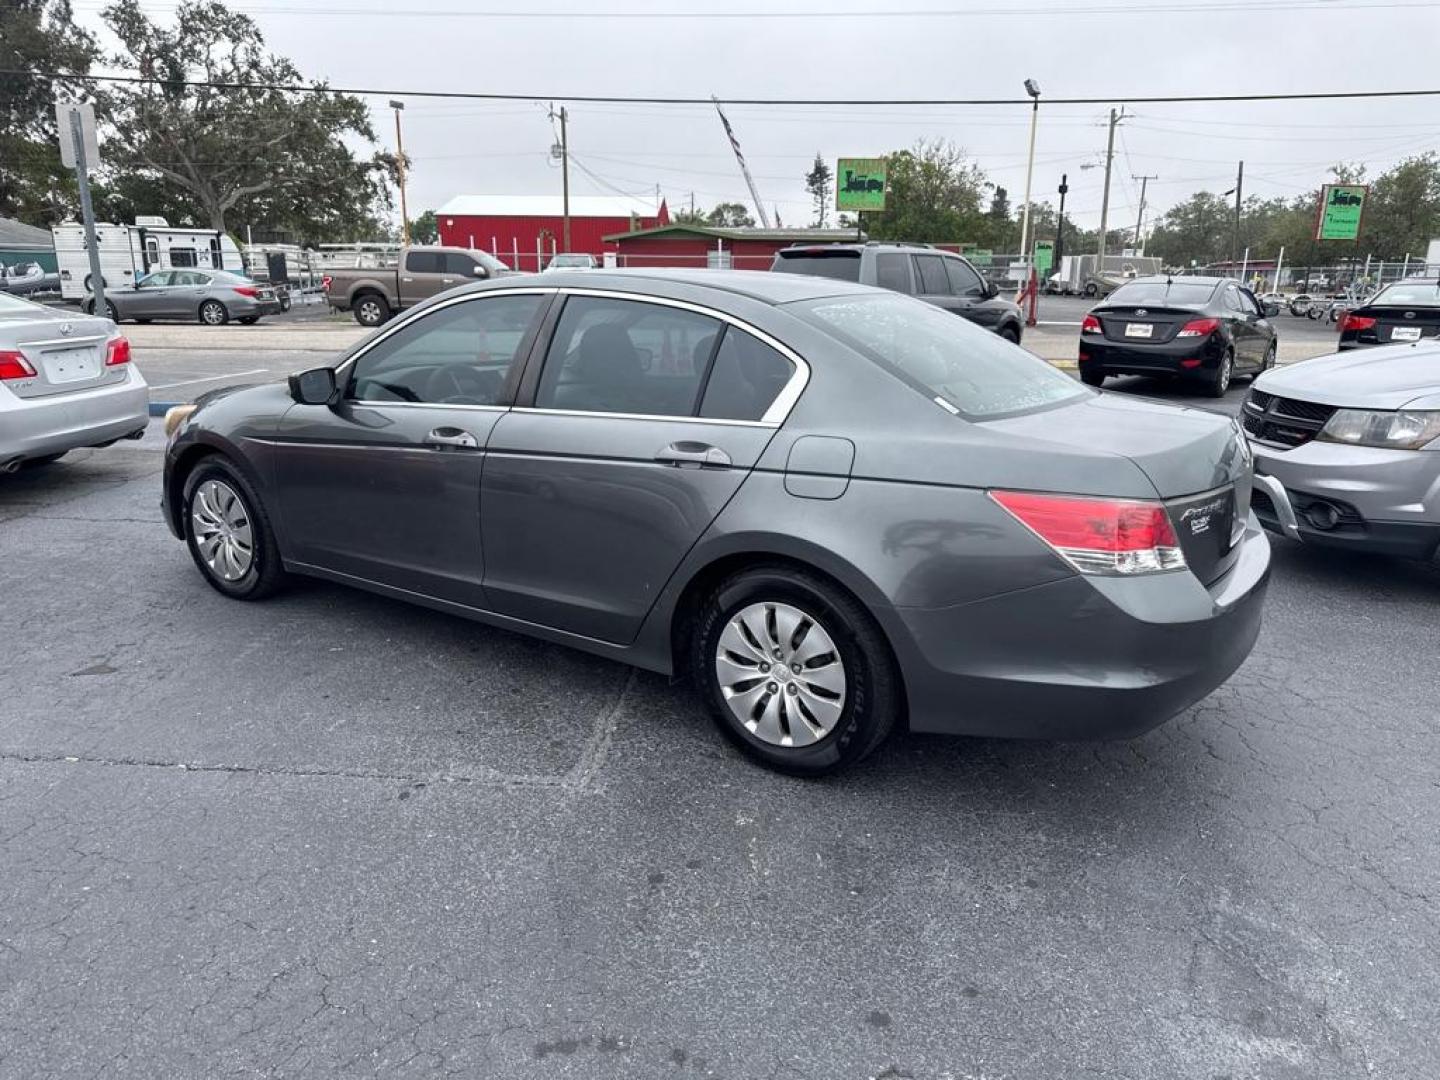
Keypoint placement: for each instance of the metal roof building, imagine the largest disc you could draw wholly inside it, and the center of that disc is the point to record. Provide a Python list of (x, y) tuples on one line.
[(525, 230)]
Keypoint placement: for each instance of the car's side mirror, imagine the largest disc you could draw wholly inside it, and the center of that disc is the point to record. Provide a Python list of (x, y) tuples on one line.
[(313, 387), (1271, 309), (991, 290), (480, 271)]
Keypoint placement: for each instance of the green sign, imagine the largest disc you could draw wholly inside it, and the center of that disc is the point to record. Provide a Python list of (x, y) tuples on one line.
[(980, 256), (1340, 208), (1044, 258), (860, 184)]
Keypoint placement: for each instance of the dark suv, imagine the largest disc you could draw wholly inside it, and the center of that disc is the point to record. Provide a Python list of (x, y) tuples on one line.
[(918, 270)]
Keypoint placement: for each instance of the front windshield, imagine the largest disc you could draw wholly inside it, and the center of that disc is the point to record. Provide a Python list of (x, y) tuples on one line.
[(1160, 294), (974, 371), (1410, 294)]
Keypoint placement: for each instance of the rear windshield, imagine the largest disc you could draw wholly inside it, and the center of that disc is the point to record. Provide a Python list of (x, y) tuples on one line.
[(976, 372), (840, 265), (1410, 294), (1158, 294)]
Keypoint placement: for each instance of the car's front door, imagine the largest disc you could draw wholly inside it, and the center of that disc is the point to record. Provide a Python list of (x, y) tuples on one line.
[(1261, 331), (384, 485), (647, 417), (147, 300)]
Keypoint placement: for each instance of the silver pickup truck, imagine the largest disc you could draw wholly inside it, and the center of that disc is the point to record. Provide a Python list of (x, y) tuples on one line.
[(373, 295)]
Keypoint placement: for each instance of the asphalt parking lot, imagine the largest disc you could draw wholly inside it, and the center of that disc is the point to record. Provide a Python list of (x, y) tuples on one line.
[(334, 835)]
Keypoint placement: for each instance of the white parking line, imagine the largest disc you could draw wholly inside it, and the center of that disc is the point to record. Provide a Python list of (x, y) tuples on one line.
[(211, 378)]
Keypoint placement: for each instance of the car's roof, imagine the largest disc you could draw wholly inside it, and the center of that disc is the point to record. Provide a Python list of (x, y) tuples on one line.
[(758, 285)]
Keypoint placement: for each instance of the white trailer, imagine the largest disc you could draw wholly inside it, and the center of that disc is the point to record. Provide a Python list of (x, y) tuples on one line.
[(129, 252)]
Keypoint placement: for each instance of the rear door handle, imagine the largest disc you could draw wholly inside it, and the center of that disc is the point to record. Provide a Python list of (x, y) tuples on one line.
[(452, 437), (693, 455)]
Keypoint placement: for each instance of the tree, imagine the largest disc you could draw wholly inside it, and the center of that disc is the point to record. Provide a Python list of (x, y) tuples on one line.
[(729, 215), (817, 183), (37, 36), (250, 154), (933, 194), (424, 229)]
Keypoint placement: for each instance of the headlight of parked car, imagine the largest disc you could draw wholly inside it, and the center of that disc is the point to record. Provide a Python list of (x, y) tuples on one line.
[(1408, 429), (176, 416)]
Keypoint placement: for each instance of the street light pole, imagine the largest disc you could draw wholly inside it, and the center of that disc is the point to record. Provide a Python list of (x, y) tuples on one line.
[(1060, 227), (1115, 118), (1033, 89), (399, 107)]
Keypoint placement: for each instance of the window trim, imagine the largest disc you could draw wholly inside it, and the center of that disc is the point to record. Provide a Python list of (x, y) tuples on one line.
[(420, 312), (775, 415)]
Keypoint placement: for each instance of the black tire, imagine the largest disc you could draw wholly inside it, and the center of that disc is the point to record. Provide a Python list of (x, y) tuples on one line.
[(213, 313), (1092, 376), (248, 320), (111, 311), (1010, 334), (1091, 289), (285, 302), (371, 309), (873, 697), (143, 322), (265, 575), (1271, 354), (1218, 381), (41, 462)]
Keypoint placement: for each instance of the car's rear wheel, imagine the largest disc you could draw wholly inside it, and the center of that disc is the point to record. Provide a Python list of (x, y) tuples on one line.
[(1218, 381), (1269, 361), (796, 673), (1092, 376), (1091, 289), (111, 311), (371, 310), (228, 532), (213, 313)]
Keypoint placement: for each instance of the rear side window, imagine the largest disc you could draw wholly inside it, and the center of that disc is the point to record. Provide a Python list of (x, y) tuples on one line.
[(840, 265), (892, 271), (627, 356), (973, 371), (423, 262), (933, 281), (746, 378)]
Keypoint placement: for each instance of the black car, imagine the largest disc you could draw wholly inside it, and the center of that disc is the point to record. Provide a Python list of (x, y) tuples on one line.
[(918, 270), (1399, 313), (1202, 329)]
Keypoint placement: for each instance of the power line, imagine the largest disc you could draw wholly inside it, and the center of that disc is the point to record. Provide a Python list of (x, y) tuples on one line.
[(292, 88)]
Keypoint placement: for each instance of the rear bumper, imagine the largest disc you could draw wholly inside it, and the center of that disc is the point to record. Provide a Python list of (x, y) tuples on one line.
[(1356, 497), (1161, 358), (35, 427), (1085, 657)]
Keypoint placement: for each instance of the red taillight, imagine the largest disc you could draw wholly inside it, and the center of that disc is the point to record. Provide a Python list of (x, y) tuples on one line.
[(1099, 536), (1199, 328), (13, 365), (1356, 323), (1090, 325), (118, 352), (325, 282), (246, 290)]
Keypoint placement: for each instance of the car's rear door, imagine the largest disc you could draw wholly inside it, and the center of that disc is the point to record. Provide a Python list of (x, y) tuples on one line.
[(642, 423), (384, 485), (187, 292)]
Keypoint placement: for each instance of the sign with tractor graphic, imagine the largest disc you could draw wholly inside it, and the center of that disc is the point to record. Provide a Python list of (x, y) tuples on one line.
[(860, 184)]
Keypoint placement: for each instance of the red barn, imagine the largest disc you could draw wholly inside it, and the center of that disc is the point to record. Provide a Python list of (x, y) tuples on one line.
[(525, 230), (745, 248)]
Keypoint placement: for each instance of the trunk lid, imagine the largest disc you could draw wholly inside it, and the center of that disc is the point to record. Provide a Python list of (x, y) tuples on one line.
[(1399, 324), (1128, 324), (67, 353), (1196, 460)]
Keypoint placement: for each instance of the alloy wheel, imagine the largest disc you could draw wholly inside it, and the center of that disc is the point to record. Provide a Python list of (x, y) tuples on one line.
[(220, 523), (213, 314), (781, 674)]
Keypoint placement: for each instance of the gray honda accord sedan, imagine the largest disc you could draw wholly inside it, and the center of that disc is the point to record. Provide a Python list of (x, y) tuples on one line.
[(833, 507)]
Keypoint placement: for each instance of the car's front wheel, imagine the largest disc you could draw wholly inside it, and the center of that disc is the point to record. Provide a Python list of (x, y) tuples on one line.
[(228, 532), (797, 674)]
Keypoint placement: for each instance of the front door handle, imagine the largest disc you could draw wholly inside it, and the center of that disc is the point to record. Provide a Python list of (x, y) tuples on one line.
[(693, 455), (453, 437)]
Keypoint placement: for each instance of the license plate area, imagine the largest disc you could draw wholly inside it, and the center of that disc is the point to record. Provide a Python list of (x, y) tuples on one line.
[(70, 365), (1405, 333), (1139, 329)]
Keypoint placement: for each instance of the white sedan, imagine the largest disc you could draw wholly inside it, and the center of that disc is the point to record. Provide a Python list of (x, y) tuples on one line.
[(66, 381)]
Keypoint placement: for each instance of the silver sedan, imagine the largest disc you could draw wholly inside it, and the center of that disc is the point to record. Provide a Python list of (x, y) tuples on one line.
[(214, 297), (65, 382), (1347, 450)]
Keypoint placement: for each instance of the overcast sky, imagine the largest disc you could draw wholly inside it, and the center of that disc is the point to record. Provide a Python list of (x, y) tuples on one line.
[(1083, 48)]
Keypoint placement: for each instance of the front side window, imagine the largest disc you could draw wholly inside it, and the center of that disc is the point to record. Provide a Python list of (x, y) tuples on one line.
[(1232, 299), (157, 280), (933, 281), (460, 354), (963, 280), (455, 263), (892, 271), (745, 379), (971, 369), (627, 356)]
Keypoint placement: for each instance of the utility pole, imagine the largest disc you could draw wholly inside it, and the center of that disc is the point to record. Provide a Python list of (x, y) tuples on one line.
[(564, 117), (1115, 118), (1033, 89), (399, 107), (1239, 190), (1060, 228), (1140, 217)]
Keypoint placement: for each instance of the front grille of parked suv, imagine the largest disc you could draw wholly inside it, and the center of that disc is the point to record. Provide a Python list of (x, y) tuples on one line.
[(1283, 422)]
